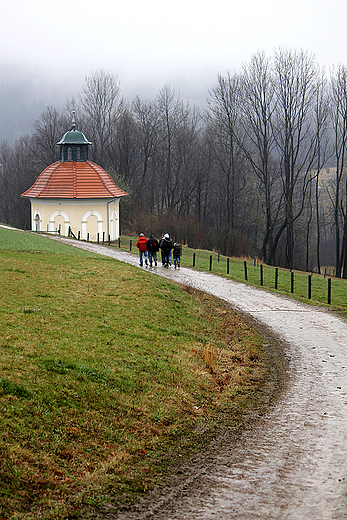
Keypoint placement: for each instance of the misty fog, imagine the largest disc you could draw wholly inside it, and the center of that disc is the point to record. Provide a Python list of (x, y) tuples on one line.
[(24, 94)]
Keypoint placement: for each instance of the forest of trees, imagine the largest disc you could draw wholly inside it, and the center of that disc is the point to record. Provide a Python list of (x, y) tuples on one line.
[(246, 176)]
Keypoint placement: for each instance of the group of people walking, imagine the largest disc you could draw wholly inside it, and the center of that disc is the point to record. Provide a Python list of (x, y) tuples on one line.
[(148, 249)]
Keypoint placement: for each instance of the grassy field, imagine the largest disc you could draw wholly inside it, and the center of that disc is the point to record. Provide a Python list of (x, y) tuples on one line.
[(109, 377), (319, 283)]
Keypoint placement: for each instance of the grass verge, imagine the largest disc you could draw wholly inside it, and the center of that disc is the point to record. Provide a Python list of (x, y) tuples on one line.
[(319, 283), (108, 377)]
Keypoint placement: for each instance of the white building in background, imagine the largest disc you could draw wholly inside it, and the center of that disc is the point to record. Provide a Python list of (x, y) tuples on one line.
[(75, 195)]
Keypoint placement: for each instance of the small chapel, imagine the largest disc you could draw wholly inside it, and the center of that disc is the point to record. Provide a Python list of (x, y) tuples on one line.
[(75, 196)]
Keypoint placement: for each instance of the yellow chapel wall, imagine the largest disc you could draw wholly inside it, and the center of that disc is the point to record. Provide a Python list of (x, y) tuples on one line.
[(82, 215)]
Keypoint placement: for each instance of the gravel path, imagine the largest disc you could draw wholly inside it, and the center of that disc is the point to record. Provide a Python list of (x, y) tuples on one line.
[(292, 463)]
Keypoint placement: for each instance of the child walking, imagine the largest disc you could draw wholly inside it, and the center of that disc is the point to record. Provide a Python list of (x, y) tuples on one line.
[(177, 252)]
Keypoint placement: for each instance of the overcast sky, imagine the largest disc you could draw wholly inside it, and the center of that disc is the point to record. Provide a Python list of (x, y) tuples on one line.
[(184, 43)]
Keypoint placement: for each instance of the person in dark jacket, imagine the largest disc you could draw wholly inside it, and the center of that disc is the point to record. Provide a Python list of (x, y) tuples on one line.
[(141, 245), (152, 246), (166, 245), (161, 251), (177, 252)]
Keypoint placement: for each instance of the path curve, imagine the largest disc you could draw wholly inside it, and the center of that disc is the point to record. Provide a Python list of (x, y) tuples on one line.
[(292, 464)]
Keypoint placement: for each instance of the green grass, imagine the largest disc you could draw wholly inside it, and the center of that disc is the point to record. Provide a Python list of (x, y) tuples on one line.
[(21, 241), (108, 376), (319, 283)]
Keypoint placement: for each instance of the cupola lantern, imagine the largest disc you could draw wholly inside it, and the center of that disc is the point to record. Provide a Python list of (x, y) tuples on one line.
[(74, 144)]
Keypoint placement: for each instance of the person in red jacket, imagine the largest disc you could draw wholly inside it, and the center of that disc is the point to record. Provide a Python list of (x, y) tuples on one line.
[(141, 245)]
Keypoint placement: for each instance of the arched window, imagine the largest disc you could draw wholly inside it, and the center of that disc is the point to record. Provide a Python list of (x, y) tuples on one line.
[(78, 154), (69, 154), (37, 222)]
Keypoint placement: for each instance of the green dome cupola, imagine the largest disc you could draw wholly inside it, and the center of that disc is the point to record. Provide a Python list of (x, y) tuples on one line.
[(74, 145)]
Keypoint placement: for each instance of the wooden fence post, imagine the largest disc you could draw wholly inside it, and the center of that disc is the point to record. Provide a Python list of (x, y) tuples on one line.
[(131, 243), (276, 277), (261, 275), (228, 265), (245, 268), (210, 262), (329, 291), (119, 242), (309, 281), (292, 282), (193, 259)]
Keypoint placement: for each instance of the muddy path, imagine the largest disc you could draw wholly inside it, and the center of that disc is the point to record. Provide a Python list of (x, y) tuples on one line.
[(291, 463)]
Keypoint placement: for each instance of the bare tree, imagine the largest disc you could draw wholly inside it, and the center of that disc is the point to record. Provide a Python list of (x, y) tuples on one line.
[(123, 154), (169, 108), (17, 173), (178, 129), (146, 115), (48, 129), (339, 121), (102, 105), (323, 150), (295, 82), (223, 116), (257, 108), (6, 173)]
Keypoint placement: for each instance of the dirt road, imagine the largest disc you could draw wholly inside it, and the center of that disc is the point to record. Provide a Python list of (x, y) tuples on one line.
[(292, 463)]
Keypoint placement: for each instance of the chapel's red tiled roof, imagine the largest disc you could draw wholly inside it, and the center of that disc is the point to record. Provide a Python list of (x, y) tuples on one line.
[(74, 180)]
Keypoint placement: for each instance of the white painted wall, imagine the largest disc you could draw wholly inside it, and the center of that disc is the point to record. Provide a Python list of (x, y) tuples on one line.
[(79, 214)]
